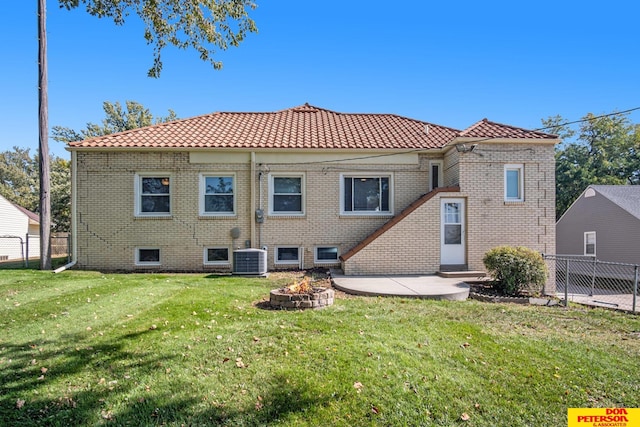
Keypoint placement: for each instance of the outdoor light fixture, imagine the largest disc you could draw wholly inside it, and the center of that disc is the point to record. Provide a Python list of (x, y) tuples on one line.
[(462, 148)]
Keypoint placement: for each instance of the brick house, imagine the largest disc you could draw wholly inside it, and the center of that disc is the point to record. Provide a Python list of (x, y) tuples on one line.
[(370, 193)]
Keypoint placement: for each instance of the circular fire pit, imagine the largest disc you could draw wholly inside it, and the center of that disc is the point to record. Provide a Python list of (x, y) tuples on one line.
[(315, 298)]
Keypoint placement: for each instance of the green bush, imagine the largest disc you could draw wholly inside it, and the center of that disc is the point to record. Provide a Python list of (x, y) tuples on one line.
[(515, 269)]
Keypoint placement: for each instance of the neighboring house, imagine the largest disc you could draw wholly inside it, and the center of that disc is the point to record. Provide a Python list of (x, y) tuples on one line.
[(371, 193), (16, 223), (603, 222)]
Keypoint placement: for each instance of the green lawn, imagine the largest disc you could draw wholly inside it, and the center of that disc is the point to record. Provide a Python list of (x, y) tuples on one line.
[(85, 348)]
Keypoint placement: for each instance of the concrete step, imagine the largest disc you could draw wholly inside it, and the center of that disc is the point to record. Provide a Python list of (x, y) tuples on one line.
[(478, 275)]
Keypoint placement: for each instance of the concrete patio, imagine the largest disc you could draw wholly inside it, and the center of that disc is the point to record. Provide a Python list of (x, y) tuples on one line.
[(423, 286)]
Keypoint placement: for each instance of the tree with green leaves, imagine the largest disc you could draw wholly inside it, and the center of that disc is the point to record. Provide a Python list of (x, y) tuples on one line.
[(117, 119), (19, 184), (606, 150), (18, 167), (202, 25)]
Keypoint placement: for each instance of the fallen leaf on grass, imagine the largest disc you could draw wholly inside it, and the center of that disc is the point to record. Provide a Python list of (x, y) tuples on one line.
[(153, 327), (375, 410), (43, 370), (240, 363), (465, 417), (358, 386), (20, 403)]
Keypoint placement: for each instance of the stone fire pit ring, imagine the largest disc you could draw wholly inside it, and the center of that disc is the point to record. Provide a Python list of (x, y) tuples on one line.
[(284, 299)]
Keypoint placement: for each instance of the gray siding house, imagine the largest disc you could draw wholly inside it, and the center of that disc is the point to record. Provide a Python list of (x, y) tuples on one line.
[(603, 222)]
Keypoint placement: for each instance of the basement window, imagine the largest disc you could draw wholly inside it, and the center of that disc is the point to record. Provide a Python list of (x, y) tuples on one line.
[(147, 256), (326, 254), (287, 255), (216, 256)]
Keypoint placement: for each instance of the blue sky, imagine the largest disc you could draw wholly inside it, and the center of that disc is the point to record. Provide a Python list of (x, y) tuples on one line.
[(450, 63)]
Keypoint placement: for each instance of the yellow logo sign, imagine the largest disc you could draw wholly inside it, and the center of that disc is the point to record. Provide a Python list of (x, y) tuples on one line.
[(604, 417)]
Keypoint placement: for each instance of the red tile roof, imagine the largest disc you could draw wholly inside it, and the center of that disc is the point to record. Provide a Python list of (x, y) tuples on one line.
[(487, 129), (302, 127)]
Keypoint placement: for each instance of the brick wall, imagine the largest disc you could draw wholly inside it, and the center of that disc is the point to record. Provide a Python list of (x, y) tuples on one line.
[(413, 245), (109, 231)]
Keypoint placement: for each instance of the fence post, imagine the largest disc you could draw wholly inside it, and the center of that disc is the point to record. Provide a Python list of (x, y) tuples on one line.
[(566, 283), (635, 289), (593, 276), (26, 248)]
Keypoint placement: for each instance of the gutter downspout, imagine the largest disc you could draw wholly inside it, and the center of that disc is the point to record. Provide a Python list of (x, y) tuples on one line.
[(253, 200), (74, 215)]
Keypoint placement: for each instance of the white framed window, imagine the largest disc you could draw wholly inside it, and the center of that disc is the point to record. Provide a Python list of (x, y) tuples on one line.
[(514, 183), (287, 255), (217, 194), (590, 243), (286, 194), (153, 194), (326, 255), (435, 174), (147, 256), (216, 255), (366, 194)]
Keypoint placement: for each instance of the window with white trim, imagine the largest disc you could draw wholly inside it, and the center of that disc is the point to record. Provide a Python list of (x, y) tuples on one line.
[(217, 195), (513, 183), (216, 255), (590, 243), (286, 194), (147, 256), (326, 255), (153, 194), (287, 255), (366, 194)]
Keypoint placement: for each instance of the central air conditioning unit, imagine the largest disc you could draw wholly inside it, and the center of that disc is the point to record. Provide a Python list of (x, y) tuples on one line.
[(250, 261)]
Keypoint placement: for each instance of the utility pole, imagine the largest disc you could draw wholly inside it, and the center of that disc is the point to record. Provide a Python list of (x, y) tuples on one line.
[(43, 125)]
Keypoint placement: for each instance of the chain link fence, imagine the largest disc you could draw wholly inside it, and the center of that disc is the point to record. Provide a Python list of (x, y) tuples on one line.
[(24, 251), (586, 280)]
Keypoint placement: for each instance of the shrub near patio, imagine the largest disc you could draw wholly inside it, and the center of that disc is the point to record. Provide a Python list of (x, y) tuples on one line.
[(84, 348), (515, 270)]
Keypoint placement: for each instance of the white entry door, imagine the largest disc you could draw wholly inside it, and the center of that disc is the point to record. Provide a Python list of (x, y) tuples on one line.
[(452, 234)]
